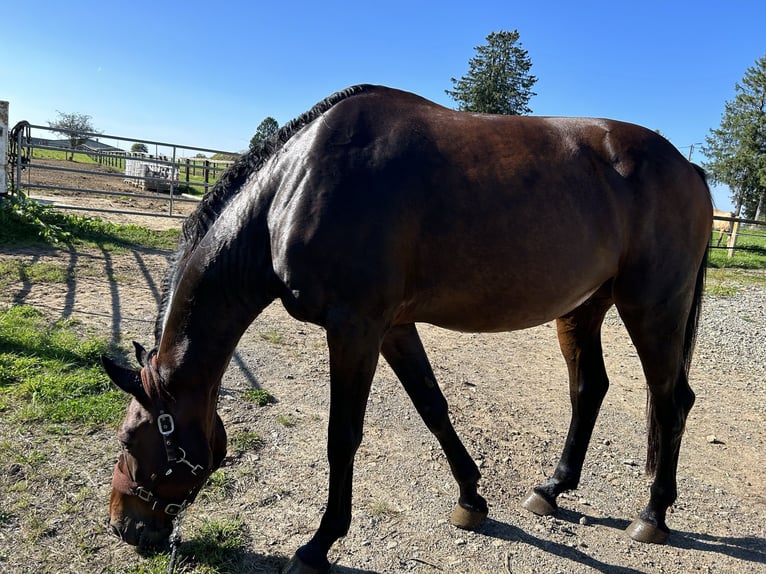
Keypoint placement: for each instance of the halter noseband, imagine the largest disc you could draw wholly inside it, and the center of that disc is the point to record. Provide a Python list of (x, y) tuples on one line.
[(121, 480)]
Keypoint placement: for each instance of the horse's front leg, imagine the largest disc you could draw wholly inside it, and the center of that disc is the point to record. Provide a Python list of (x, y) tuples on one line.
[(354, 347), (404, 351)]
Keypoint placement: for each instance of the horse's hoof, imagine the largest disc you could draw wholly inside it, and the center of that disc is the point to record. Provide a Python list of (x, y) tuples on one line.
[(467, 518), (537, 504), (642, 531), (298, 566)]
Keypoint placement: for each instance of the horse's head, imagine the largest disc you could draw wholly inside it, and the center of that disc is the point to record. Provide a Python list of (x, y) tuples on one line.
[(170, 445)]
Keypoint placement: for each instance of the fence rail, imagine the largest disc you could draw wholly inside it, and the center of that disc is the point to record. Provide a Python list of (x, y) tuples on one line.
[(738, 229), (101, 167)]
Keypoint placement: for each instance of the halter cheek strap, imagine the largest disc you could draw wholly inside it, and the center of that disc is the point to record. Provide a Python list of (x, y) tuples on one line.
[(122, 483), (175, 455)]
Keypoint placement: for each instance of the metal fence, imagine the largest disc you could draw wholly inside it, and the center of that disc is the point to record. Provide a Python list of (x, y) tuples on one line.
[(93, 172)]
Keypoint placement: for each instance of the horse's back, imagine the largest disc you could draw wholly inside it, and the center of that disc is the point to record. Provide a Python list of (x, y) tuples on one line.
[(475, 221)]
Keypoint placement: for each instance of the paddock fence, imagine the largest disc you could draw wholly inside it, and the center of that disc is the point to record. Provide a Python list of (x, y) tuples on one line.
[(96, 173), (740, 234)]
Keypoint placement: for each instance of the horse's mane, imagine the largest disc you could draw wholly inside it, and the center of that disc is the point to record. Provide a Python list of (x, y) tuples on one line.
[(196, 226)]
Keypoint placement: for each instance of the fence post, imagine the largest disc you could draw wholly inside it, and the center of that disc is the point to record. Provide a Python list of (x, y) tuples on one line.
[(3, 147), (732, 242)]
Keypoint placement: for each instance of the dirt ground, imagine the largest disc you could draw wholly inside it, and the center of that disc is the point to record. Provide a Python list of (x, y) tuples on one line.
[(153, 212), (508, 401)]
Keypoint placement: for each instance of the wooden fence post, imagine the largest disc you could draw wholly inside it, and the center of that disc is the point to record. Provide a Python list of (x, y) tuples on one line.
[(3, 147), (732, 242)]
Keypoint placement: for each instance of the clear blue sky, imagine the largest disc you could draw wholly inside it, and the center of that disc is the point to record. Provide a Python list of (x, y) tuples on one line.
[(206, 73)]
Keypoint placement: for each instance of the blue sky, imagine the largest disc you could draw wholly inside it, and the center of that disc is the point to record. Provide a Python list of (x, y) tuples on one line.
[(205, 74)]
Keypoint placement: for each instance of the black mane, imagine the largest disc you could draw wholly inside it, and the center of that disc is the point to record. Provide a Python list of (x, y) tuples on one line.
[(196, 226)]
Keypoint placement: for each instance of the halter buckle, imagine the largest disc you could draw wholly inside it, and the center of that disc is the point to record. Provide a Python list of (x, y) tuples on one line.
[(166, 424), (174, 509), (144, 494)]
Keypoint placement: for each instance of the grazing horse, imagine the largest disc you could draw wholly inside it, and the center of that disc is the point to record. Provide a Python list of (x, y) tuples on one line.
[(378, 209), (720, 225)]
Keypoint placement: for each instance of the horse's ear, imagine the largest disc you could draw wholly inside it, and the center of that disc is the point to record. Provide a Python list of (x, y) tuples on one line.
[(126, 379), (141, 353)]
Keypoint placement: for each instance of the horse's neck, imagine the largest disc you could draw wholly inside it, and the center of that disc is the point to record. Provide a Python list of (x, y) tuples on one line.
[(225, 284)]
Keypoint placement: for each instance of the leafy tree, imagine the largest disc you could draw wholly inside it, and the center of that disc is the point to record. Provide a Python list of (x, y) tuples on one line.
[(75, 127), (498, 80), (737, 148), (139, 148), (265, 129)]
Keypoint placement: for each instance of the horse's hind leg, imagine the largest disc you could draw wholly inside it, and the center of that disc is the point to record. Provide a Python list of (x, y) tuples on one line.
[(404, 351), (579, 334), (663, 330)]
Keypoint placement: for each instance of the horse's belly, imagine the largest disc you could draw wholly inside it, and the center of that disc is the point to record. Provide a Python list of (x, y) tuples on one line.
[(507, 310)]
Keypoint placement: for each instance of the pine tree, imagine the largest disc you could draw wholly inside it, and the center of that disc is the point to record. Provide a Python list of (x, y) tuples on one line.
[(737, 148), (498, 80), (264, 131)]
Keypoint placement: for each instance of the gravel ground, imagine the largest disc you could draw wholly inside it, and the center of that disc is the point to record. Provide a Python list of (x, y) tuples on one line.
[(733, 332)]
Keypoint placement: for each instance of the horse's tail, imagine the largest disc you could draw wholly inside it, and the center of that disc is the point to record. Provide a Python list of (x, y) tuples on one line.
[(690, 337)]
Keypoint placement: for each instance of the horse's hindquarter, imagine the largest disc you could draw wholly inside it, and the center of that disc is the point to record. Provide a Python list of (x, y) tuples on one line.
[(470, 222)]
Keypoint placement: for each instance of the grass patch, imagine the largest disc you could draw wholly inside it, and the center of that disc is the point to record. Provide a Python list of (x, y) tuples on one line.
[(260, 397), (381, 508), (287, 421), (727, 281), (272, 336), (218, 546), (218, 487), (48, 372), (23, 221), (749, 254), (33, 272), (246, 440)]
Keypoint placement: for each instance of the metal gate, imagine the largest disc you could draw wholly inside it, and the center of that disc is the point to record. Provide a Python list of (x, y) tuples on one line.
[(93, 172)]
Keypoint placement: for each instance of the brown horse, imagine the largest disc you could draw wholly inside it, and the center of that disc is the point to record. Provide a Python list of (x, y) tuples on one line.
[(379, 209)]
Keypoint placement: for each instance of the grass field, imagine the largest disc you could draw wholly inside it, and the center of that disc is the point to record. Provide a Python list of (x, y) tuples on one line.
[(191, 174), (749, 254)]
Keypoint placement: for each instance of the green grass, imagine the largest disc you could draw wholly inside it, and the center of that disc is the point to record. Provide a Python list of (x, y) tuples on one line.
[(27, 222), (35, 272), (260, 397), (194, 185), (287, 421), (49, 373), (271, 336), (728, 281), (62, 155), (219, 486), (245, 440), (749, 254), (215, 547)]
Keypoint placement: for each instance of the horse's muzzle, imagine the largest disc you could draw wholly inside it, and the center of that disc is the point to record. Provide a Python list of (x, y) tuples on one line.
[(140, 534)]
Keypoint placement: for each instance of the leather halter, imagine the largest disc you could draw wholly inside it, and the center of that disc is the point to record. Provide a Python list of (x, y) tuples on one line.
[(175, 455)]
